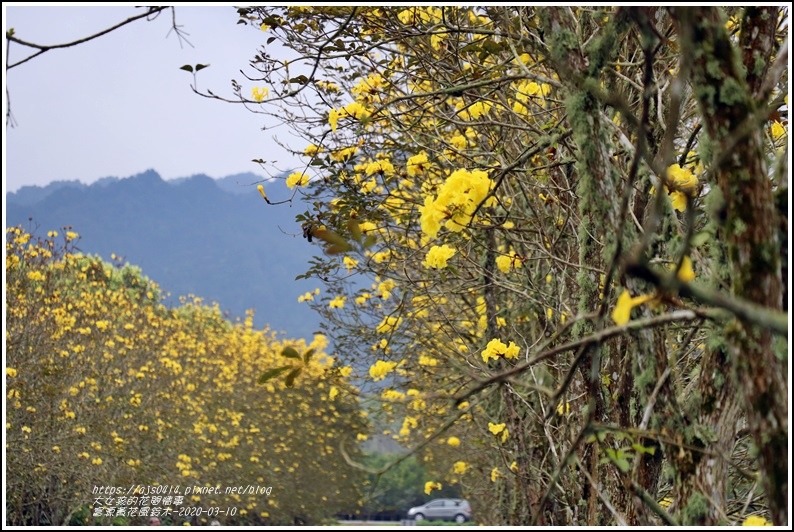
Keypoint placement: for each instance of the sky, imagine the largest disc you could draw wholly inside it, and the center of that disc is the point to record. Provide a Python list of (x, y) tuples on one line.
[(119, 105)]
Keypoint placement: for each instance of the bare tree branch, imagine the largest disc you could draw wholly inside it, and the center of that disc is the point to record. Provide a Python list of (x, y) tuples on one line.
[(150, 14)]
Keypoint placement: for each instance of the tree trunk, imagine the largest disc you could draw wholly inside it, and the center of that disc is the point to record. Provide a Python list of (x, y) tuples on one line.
[(725, 96)]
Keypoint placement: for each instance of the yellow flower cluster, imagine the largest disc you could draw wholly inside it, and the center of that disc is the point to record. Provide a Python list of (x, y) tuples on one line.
[(425, 360), (777, 130), (327, 86), (495, 474), (438, 256), (388, 324), (430, 486), (381, 166), (408, 423), (475, 110), (497, 348), (352, 110), (259, 93), (458, 197), (420, 15), (460, 467), (392, 395), (308, 296), (368, 86), (338, 302), (496, 428), (384, 289), (344, 154), (299, 179), (499, 428), (350, 263), (756, 520), (380, 369), (527, 90), (508, 263), (530, 89), (417, 165), (685, 184)]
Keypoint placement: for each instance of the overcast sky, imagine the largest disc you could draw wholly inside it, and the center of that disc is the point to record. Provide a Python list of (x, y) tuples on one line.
[(119, 105)]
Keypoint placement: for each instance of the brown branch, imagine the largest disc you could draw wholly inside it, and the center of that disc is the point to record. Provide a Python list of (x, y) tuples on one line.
[(42, 48), (742, 308), (595, 338)]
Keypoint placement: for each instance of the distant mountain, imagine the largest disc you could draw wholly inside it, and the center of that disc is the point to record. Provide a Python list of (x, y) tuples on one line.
[(215, 239)]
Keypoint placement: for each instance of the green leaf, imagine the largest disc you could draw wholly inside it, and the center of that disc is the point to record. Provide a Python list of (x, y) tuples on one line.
[(200, 67), (289, 352), (642, 449), (188, 68), (355, 230), (307, 356), (290, 380), (489, 47), (302, 79), (275, 372), (618, 458), (471, 47), (336, 249), (701, 238), (329, 237), (623, 464), (369, 241), (272, 21), (492, 46)]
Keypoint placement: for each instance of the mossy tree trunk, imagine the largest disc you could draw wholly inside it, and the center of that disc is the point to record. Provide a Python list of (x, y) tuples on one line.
[(733, 105)]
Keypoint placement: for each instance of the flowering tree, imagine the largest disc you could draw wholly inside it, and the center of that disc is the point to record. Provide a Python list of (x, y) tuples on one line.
[(553, 245), (106, 387)]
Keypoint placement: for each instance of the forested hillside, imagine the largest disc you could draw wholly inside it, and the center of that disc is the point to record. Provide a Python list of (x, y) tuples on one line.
[(213, 239)]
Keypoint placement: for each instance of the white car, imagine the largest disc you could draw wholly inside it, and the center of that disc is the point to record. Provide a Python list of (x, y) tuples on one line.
[(458, 510)]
